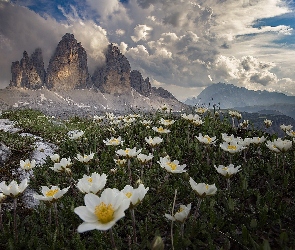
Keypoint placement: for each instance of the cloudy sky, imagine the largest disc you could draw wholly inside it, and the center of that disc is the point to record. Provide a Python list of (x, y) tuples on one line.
[(181, 45)]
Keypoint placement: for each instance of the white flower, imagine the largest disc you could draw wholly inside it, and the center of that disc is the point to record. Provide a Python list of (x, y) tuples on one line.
[(114, 141), (128, 152), (135, 195), (197, 122), (85, 158), (51, 194), (291, 133), (272, 146), (153, 141), (161, 130), (144, 158), (202, 189), (181, 214), (55, 157), (75, 134), (171, 166), (286, 127), (258, 140), (267, 123), (283, 145), (201, 110), (102, 212), (206, 139), (27, 164), (166, 122), (232, 147), (227, 171), (13, 189), (146, 122), (120, 162), (235, 114), (92, 184), (62, 166), (244, 124), (190, 117)]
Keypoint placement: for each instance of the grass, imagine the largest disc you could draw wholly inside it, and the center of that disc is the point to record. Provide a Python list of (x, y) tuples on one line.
[(256, 213)]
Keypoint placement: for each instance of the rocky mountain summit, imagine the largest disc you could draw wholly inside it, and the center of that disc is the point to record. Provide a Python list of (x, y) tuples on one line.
[(68, 70), (67, 84), (29, 72), (67, 67)]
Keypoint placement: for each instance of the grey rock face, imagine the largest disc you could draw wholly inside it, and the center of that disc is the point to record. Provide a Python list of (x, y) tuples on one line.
[(4, 153), (29, 72), (139, 84), (114, 76), (162, 93), (68, 68)]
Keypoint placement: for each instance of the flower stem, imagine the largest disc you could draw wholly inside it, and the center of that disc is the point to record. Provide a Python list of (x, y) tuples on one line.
[(228, 184), (112, 239), (198, 207), (172, 213), (129, 171), (1, 223), (49, 218), (14, 217), (55, 212), (133, 225)]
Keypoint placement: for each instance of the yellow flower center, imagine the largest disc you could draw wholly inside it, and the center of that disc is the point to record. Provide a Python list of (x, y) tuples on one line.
[(225, 168), (114, 141), (208, 138), (180, 210), (233, 147), (293, 133), (127, 151), (90, 179), (27, 165), (104, 213), (129, 194), (160, 129), (52, 192), (172, 165), (207, 186)]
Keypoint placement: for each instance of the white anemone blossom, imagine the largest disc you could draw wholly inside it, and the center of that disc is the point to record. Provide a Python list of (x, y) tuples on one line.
[(171, 166), (13, 189), (128, 152), (181, 214), (51, 194), (202, 189), (102, 212), (92, 184), (27, 164), (227, 171), (135, 195)]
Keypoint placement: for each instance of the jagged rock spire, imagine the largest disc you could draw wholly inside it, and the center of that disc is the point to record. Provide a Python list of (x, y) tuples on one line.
[(68, 68), (114, 76)]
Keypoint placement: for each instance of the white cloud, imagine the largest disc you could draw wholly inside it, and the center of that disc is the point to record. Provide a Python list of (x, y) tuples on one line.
[(141, 32)]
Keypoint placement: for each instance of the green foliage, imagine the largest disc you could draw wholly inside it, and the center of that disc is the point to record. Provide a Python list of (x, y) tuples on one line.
[(256, 213)]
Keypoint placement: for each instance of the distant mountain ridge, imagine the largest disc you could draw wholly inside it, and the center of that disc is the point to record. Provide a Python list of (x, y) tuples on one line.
[(228, 96)]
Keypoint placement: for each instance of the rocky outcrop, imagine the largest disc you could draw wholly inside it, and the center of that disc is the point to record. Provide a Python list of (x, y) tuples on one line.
[(162, 93), (68, 68), (114, 76), (29, 72), (5, 152), (142, 86)]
